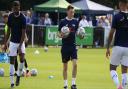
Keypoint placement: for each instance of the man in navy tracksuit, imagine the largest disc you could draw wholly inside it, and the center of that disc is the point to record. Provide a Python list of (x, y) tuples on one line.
[(68, 50)]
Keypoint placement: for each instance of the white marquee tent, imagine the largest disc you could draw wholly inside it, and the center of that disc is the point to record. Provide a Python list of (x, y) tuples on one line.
[(90, 7)]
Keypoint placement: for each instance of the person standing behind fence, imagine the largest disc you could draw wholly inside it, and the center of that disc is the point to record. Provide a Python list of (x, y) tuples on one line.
[(5, 17), (28, 17), (47, 20), (103, 22), (41, 20), (83, 22)]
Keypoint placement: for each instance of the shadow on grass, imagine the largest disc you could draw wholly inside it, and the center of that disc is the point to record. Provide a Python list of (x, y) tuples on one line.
[(6, 76), (6, 88)]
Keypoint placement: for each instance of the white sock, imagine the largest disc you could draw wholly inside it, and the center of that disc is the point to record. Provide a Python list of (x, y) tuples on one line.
[(12, 70), (115, 78), (73, 81), (21, 66), (16, 72), (124, 79), (27, 68), (65, 82)]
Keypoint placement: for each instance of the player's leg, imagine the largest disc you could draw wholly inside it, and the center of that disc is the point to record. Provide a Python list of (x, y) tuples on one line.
[(12, 54), (65, 69), (124, 67), (124, 76), (25, 61), (74, 67), (114, 62), (21, 66), (26, 65), (12, 70), (16, 66), (114, 75), (65, 58), (74, 73)]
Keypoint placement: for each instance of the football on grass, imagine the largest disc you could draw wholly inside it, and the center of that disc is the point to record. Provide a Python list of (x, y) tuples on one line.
[(34, 72), (1, 72)]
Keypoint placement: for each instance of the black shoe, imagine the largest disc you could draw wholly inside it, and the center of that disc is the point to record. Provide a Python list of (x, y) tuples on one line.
[(27, 71), (15, 74), (17, 80), (12, 85), (73, 87), (66, 87)]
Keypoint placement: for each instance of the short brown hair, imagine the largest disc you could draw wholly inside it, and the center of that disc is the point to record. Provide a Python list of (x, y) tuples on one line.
[(70, 7), (123, 1), (16, 3), (5, 15)]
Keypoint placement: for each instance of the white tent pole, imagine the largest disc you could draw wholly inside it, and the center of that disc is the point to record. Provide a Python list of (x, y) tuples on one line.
[(32, 35)]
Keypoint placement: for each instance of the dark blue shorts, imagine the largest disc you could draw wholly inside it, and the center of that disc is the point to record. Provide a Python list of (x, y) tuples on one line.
[(68, 53)]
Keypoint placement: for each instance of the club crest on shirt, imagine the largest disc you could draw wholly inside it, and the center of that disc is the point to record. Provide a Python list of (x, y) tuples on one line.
[(66, 25), (122, 19), (73, 25)]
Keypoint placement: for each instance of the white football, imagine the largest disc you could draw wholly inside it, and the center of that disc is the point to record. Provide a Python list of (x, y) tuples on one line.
[(45, 49), (81, 32), (1, 72), (34, 72), (65, 30)]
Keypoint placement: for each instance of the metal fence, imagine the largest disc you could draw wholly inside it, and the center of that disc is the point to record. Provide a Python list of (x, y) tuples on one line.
[(1, 33), (36, 35)]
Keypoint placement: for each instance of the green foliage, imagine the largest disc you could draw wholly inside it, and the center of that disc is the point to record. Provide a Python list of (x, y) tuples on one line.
[(110, 3), (27, 4)]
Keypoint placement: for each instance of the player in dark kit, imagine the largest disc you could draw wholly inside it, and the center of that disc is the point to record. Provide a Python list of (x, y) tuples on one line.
[(68, 50), (120, 50), (5, 16), (17, 28)]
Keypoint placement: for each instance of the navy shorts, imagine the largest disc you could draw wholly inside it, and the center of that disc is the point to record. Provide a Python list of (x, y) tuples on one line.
[(68, 53)]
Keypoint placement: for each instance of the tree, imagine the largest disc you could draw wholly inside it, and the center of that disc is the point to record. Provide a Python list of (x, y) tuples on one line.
[(110, 3), (27, 4)]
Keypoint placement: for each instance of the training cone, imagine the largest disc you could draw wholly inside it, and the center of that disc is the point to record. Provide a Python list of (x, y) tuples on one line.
[(36, 52)]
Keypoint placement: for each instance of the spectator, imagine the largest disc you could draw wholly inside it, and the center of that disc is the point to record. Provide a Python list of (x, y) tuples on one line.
[(107, 22), (100, 22), (83, 22), (47, 20), (5, 18), (94, 21), (41, 20), (90, 22), (34, 18), (103, 22), (1, 19), (28, 17)]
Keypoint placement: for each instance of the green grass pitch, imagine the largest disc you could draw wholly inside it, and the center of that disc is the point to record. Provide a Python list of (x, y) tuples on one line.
[(93, 70)]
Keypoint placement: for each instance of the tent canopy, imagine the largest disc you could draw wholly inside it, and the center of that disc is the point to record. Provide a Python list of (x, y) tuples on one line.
[(92, 8), (54, 6)]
